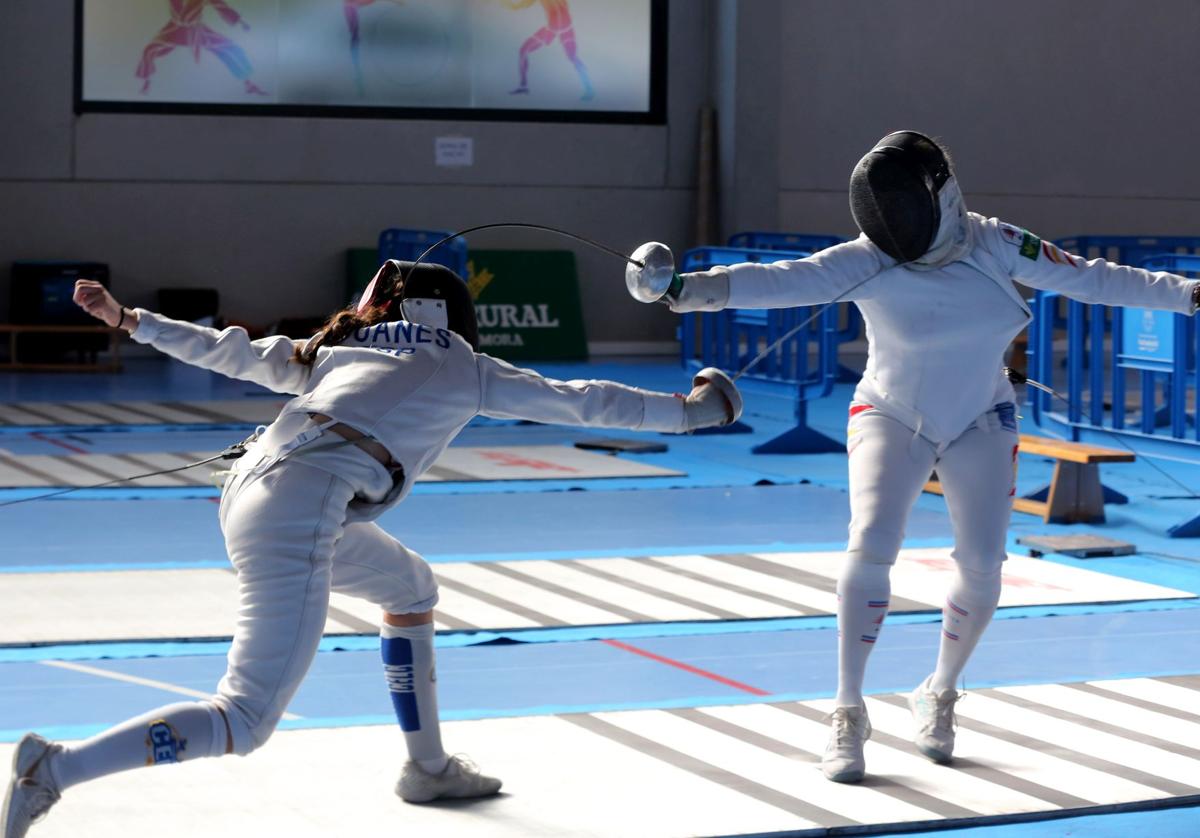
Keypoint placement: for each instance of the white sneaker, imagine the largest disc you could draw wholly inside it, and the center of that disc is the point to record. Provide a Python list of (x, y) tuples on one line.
[(844, 761), (460, 778), (934, 716), (32, 790)]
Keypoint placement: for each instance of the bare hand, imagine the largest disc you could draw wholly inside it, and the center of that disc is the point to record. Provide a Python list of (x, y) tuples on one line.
[(94, 298)]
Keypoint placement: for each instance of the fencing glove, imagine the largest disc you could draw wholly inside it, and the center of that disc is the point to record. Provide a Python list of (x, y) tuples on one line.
[(713, 402)]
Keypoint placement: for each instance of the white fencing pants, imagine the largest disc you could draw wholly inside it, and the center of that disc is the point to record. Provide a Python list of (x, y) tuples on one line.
[(889, 465), (288, 541)]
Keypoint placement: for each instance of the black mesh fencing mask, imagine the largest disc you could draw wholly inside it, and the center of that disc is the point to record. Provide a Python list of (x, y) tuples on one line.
[(426, 293), (894, 194)]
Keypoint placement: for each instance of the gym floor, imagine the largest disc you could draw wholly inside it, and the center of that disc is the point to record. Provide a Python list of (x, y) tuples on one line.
[(649, 654)]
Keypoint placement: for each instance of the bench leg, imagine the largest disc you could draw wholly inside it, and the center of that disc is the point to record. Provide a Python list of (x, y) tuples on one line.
[(1076, 496)]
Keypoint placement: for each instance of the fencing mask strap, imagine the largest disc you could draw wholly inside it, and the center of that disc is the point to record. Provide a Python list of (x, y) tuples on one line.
[(894, 194), (427, 294)]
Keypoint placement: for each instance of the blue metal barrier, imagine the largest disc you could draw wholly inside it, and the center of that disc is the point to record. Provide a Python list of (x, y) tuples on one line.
[(407, 245), (730, 339), (796, 242), (849, 318), (1151, 348)]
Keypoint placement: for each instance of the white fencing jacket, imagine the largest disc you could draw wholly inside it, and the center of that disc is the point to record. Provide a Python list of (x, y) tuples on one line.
[(411, 387), (937, 334)]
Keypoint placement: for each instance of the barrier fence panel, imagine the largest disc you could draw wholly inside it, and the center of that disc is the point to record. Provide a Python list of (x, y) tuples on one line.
[(805, 363), (1138, 389), (849, 318), (407, 245)]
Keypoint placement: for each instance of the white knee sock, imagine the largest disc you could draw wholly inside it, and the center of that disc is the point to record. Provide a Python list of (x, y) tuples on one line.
[(175, 733), (863, 593), (967, 613), (409, 666)]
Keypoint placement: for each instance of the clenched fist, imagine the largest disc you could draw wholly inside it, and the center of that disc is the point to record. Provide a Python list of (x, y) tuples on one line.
[(94, 298)]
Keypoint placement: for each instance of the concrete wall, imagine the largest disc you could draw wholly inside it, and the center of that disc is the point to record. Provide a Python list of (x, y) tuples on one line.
[(264, 208), (1064, 117)]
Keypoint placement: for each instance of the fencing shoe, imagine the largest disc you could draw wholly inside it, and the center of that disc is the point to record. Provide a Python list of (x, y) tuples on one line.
[(460, 778), (32, 790), (933, 714), (843, 761)]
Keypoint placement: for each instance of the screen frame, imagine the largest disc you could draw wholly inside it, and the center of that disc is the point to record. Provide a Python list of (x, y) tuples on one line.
[(656, 114)]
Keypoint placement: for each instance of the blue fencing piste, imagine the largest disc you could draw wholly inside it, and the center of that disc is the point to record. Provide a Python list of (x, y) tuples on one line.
[(407, 245), (732, 338), (1141, 386)]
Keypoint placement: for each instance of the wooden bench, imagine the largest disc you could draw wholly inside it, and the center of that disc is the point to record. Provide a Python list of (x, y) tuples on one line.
[(1074, 494), (15, 363)]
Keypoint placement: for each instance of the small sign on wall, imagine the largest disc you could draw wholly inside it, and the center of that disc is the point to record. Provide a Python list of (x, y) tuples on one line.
[(454, 151)]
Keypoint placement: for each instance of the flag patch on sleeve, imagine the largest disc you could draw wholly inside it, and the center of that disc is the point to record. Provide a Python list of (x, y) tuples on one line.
[(1031, 245), (1059, 257)]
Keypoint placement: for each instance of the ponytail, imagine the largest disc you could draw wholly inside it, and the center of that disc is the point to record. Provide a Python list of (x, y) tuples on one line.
[(339, 327)]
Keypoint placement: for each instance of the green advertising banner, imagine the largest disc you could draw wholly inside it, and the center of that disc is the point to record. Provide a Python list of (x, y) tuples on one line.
[(526, 301)]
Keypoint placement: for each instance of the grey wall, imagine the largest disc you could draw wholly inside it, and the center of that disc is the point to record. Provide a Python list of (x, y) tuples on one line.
[(264, 208), (1064, 116)]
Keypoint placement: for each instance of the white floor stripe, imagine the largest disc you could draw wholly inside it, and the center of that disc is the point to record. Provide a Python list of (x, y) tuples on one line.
[(707, 593), (559, 780), (1158, 692), (1111, 711), (64, 472), (1080, 738), (166, 415), (755, 581), (477, 612), (775, 772), (134, 679), (568, 610), (11, 414), (47, 607), (123, 468), (956, 787), (1030, 764), (811, 737), (655, 607)]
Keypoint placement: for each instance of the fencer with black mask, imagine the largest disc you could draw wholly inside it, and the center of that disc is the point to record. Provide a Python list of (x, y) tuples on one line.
[(380, 392), (935, 285)]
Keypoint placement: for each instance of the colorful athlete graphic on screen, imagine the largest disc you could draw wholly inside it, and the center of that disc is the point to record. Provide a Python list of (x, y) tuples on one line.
[(186, 29), (558, 27), (351, 7)]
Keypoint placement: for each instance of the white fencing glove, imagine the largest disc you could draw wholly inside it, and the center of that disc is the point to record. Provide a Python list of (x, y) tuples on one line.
[(656, 281), (713, 402)]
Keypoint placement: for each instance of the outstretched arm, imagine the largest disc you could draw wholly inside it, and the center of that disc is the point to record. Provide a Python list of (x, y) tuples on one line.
[(229, 352), (842, 272), (1040, 264), (507, 392)]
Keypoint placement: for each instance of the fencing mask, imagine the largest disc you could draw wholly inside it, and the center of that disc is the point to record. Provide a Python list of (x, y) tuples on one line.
[(428, 294), (895, 196)]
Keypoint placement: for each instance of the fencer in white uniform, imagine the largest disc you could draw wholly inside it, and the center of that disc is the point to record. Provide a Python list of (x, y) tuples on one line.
[(935, 286), (380, 393)]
